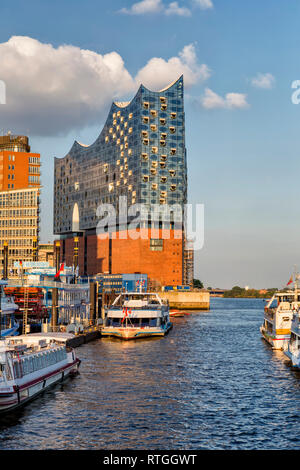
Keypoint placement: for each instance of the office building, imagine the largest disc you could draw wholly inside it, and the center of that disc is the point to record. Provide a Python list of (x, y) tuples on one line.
[(19, 203)]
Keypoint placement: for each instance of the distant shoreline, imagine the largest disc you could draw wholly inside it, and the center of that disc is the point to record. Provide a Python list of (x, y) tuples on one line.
[(236, 297)]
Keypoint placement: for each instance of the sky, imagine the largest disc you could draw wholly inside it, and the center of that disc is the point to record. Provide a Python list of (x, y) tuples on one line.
[(64, 62)]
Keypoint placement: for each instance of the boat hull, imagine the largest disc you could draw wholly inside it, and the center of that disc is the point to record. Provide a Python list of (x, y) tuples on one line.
[(294, 358), (17, 396), (135, 333), (276, 341), (177, 313), (10, 331)]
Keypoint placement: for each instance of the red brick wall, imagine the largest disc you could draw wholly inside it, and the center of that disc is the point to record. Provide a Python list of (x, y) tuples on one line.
[(131, 256)]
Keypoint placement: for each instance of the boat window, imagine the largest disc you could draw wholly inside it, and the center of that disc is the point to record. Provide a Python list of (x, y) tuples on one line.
[(145, 322), (273, 304), (8, 372), (153, 321), (293, 338), (17, 370), (115, 321), (134, 322)]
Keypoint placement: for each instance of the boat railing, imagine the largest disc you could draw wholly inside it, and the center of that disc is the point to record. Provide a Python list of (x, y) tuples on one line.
[(145, 307), (48, 284)]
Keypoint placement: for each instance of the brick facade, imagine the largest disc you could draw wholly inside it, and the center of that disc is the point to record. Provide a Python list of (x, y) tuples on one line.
[(119, 255)]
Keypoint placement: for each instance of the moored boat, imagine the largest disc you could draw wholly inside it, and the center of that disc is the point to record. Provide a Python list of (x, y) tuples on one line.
[(29, 365), (177, 313), (8, 325), (278, 314), (137, 315), (292, 350)]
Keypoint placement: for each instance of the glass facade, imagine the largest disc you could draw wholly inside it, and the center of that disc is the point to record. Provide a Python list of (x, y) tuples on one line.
[(140, 154)]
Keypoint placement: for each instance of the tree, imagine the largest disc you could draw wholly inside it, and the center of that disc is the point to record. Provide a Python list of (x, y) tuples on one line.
[(197, 284)]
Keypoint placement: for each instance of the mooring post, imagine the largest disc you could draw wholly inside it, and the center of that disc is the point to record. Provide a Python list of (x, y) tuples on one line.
[(93, 302), (75, 257), (57, 255), (5, 260), (54, 315)]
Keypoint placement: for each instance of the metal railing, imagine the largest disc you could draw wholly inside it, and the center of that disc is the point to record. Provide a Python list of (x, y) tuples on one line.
[(48, 284)]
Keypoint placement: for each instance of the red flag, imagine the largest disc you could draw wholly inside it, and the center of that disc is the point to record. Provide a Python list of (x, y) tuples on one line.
[(62, 267), (290, 281), (124, 309)]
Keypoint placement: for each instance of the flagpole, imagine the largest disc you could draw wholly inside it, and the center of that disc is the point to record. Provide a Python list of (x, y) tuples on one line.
[(295, 285)]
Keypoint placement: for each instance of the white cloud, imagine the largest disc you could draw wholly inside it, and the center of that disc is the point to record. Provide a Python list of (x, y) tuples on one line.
[(156, 6), (204, 4), (212, 100), (175, 9), (53, 90), (263, 80), (50, 89), (144, 7), (158, 72)]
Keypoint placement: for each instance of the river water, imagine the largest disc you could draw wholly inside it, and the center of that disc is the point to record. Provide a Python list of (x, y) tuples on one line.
[(211, 383)]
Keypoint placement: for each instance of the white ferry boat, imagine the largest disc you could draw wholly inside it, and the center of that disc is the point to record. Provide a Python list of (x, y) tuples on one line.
[(292, 351), (8, 325), (29, 365), (278, 315), (137, 315)]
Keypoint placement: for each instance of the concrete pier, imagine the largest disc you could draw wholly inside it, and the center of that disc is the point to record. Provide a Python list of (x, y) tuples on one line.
[(187, 300), (68, 338)]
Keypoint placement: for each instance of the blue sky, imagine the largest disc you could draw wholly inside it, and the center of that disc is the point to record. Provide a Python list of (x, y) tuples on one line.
[(243, 154)]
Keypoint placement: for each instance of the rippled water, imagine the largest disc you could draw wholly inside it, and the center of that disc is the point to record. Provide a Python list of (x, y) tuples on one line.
[(212, 383)]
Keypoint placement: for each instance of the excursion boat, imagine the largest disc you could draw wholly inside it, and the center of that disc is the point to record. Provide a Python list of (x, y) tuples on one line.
[(292, 351), (29, 365), (278, 316), (137, 315), (8, 325)]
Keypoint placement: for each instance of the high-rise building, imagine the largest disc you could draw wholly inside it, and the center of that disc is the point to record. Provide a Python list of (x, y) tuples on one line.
[(140, 154), (19, 227), (19, 202), (19, 168)]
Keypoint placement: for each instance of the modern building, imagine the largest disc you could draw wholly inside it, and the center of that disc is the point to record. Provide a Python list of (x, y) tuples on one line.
[(19, 227), (19, 202), (140, 154)]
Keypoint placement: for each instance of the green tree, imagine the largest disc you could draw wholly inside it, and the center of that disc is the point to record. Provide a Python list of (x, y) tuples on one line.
[(197, 284)]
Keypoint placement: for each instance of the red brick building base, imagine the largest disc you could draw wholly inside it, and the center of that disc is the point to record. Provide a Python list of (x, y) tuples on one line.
[(122, 254)]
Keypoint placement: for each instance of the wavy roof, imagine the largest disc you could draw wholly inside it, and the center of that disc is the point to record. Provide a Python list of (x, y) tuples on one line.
[(121, 104)]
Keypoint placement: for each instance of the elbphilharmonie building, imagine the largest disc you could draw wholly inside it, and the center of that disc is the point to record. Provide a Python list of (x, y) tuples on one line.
[(140, 154)]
